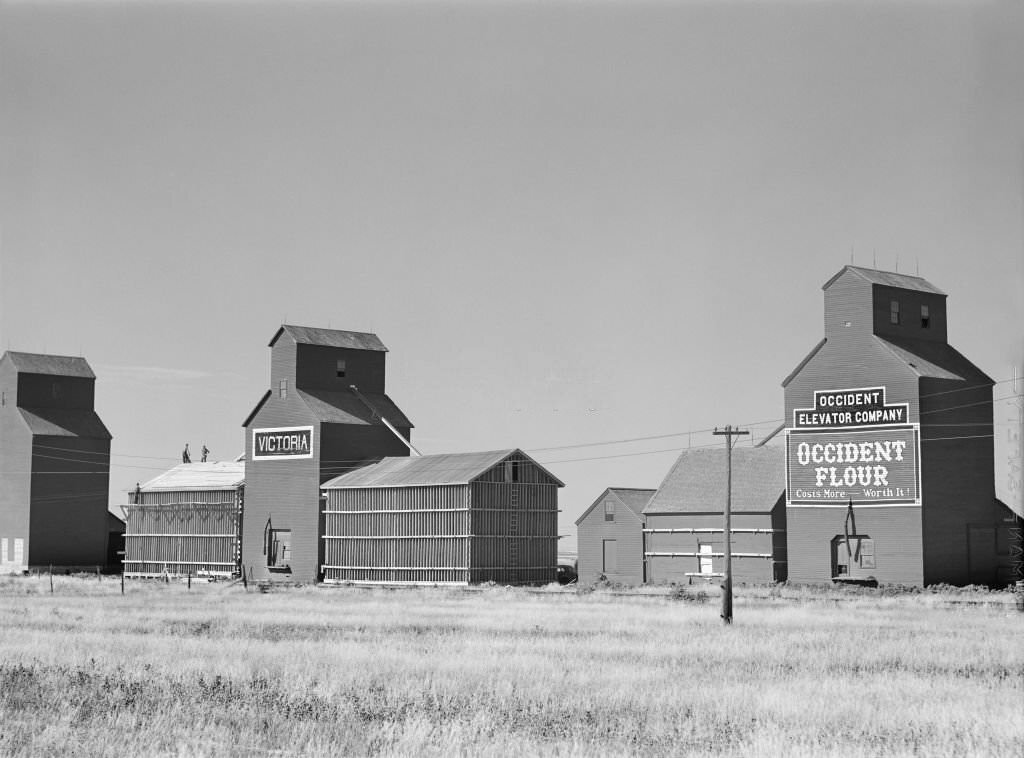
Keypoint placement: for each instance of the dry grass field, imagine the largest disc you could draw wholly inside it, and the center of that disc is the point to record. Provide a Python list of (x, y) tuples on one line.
[(218, 671)]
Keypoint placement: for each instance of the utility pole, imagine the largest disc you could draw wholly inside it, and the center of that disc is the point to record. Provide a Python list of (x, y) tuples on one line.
[(728, 433)]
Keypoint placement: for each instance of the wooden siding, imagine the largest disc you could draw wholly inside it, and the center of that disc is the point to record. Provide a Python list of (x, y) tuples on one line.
[(37, 391), (896, 531), (515, 528), (958, 486), (397, 534), (16, 464), (68, 521), (184, 533), (485, 531), (626, 530), (528, 472), (317, 369), (747, 569), (910, 313), (848, 299), (285, 492)]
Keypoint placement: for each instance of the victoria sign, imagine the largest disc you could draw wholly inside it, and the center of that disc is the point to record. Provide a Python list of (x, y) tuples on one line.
[(284, 443)]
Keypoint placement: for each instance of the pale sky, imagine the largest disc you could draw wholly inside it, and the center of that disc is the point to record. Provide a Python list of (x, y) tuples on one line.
[(570, 222)]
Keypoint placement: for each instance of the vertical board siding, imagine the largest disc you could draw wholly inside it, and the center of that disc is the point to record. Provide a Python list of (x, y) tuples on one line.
[(184, 532), (397, 534), (489, 530)]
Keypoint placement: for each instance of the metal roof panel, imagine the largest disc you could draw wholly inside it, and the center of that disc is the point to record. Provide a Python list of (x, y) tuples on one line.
[(219, 475), (54, 365)]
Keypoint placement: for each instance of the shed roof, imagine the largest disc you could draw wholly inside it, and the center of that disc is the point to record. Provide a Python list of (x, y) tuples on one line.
[(697, 481), (446, 468), (631, 497), (889, 279), (934, 360), (54, 365), (346, 408), (65, 422), (308, 335), (220, 475)]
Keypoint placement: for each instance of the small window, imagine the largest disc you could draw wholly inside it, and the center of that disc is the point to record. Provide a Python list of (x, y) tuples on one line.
[(282, 388), (925, 317), (511, 471), (341, 369), (894, 311), (55, 389), (609, 510)]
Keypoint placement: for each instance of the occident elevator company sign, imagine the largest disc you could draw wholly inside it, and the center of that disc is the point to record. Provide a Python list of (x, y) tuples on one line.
[(284, 443), (852, 445)]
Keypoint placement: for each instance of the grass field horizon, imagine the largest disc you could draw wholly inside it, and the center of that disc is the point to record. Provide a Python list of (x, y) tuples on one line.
[(216, 670)]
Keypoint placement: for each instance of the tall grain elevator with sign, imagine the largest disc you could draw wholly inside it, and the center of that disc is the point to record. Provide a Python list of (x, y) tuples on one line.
[(326, 413), (890, 450)]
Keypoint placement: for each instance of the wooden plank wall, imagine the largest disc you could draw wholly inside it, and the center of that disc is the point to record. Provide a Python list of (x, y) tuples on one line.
[(397, 534), (515, 529), (181, 533)]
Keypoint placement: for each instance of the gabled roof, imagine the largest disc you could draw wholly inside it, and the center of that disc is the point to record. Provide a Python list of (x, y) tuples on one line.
[(634, 499), (934, 360), (65, 422), (448, 468), (307, 335), (888, 279), (221, 475), (804, 362), (697, 481), (54, 365)]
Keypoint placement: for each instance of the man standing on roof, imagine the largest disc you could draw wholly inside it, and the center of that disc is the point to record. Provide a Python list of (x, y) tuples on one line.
[(185, 457), (206, 452)]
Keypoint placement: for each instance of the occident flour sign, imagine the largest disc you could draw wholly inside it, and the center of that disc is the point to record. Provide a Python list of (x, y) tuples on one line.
[(282, 444), (852, 445)]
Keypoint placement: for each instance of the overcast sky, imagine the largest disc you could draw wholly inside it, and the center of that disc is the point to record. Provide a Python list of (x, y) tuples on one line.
[(570, 222)]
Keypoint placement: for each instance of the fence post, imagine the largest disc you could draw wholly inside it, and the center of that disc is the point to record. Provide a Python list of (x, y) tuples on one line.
[(245, 582), (51, 579), (122, 582)]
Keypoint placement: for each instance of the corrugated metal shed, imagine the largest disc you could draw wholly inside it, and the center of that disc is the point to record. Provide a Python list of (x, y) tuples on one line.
[(55, 365), (697, 481), (888, 279), (451, 468), (306, 335), (220, 475)]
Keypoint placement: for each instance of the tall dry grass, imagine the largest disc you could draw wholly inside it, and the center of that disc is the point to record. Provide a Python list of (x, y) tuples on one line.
[(310, 671)]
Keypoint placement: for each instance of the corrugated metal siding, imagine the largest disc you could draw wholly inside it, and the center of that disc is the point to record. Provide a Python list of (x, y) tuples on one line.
[(895, 530), (626, 530), (746, 570), (181, 533)]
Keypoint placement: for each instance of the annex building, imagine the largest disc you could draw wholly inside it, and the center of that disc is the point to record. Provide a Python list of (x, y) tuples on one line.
[(55, 458)]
